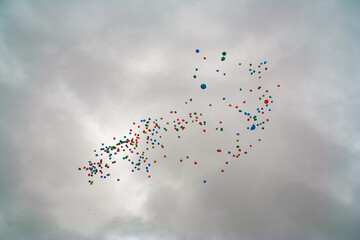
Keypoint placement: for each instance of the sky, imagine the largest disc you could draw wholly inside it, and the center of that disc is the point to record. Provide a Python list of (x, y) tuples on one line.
[(75, 74)]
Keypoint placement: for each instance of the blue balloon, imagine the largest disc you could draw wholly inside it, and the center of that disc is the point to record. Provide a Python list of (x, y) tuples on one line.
[(204, 181), (197, 50), (253, 127), (203, 86)]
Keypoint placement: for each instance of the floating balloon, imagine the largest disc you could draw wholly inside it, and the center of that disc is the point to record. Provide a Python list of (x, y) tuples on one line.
[(147, 133)]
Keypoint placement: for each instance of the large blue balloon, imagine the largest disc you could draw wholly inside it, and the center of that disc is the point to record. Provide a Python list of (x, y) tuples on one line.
[(203, 86)]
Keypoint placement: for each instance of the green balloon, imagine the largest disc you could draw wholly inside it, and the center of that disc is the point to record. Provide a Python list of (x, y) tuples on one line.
[(223, 59), (224, 53)]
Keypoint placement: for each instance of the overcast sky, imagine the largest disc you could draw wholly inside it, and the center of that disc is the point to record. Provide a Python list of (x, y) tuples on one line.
[(75, 74)]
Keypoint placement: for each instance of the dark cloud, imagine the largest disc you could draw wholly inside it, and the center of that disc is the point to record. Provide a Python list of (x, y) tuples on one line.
[(75, 74)]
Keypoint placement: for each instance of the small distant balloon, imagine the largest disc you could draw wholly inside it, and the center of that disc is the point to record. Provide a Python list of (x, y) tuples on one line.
[(133, 150)]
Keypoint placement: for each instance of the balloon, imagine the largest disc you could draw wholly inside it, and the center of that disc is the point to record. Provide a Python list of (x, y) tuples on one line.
[(149, 128)]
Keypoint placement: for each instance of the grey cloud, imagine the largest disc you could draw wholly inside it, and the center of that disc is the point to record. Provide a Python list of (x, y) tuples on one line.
[(75, 74)]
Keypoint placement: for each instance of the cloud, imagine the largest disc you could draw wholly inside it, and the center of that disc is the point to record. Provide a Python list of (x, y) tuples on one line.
[(75, 74)]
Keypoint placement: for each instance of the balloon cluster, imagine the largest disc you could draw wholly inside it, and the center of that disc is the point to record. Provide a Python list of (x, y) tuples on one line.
[(147, 133)]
